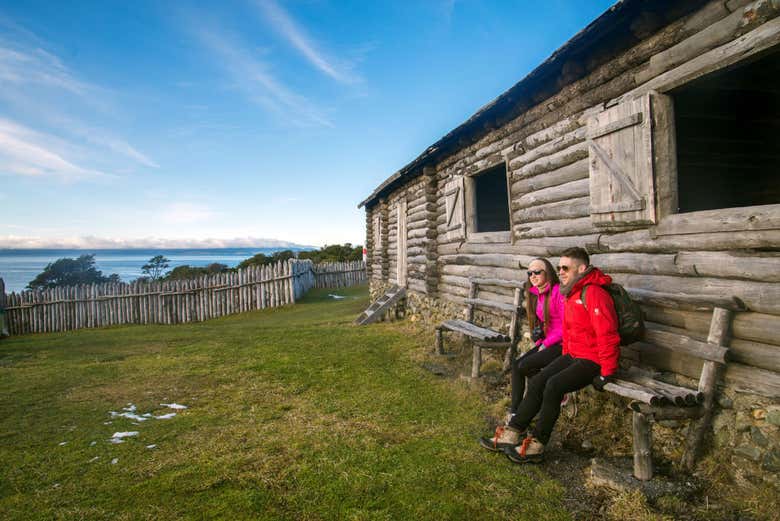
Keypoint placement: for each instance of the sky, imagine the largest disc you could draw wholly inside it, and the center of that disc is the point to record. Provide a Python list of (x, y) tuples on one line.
[(157, 123)]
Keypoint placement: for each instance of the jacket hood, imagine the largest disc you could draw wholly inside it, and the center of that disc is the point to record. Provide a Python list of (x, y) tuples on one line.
[(594, 276)]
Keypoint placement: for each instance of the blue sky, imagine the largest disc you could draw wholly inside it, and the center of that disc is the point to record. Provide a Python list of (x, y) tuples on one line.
[(136, 123)]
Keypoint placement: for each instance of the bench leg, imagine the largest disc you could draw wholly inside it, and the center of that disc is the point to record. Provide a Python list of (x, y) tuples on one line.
[(439, 342), (643, 439), (476, 360)]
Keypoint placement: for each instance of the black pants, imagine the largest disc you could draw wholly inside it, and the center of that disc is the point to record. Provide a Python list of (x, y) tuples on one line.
[(528, 365), (545, 392)]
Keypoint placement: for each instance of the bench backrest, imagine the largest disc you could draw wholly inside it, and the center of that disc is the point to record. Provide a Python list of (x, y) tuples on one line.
[(515, 309), (668, 349)]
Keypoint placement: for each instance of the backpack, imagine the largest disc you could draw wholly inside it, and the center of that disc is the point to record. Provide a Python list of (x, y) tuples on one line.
[(630, 317)]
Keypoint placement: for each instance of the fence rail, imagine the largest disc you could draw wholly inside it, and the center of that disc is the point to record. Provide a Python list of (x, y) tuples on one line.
[(171, 302)]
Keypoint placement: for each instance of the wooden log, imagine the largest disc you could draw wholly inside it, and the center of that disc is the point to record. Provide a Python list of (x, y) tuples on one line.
[(764, 267), (496, 260), (476, 360), (552, 247), (667, 413), (676, 394), (566, 174), (644, 263), (484, 272), (684, 344), (552, 162), (758, 327), (713, 36), (558, 144), (554, 228), (572, 209), (643, 442), (753, 380), (641, 242), (756, 354), (491, 304), (751, 218), (684, 301), (625, 389), (761, 297), (719, 330), (564, 192)]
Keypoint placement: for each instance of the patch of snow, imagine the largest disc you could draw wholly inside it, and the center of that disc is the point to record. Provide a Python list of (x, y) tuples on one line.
[(165, 416), (128, 415), (116, 441), (115, 461), (107, 423), (94, 459), (92, 443), (152, 446), (56, 485), (125, 434), (337, 297), (173, 406), (63, 443), (147, 415), (130, 408)]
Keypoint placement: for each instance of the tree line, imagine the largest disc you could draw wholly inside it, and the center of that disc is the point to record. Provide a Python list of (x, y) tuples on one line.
[(82, 270)]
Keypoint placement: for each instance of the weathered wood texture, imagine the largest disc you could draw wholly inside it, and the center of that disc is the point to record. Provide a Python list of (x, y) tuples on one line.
[(173, 302)]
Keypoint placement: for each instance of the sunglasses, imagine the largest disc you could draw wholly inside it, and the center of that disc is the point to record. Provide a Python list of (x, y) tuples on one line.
[(564, 268), (534, 272)]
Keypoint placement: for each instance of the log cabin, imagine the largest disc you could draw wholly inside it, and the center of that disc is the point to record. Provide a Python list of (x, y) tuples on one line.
[(652, 139)]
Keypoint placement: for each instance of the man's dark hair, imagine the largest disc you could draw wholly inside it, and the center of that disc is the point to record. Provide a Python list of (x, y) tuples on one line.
[(577, 253)]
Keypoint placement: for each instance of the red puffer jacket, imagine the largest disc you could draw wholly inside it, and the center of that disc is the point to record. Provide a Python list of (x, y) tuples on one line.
[(592, 333)]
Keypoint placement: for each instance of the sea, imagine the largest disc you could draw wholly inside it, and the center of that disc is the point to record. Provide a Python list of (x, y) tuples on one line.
[(19, 267)]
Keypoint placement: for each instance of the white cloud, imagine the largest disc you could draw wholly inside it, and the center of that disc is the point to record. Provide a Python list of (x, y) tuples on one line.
[(89, 242), (252, 76), (26, 152), (297, 37), (39, 85)]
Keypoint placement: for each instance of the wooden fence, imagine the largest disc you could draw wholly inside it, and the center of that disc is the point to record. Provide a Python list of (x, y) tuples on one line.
[(339, 274), (171, 302)]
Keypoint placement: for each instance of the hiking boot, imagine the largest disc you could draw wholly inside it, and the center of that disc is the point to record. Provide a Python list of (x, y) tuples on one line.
[(505, 437), (530, 451)]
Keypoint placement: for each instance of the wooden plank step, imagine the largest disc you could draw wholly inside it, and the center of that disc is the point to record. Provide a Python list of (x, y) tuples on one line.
[(377, 309)]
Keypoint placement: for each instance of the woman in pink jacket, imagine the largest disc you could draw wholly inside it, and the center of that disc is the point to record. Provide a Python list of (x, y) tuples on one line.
[(546, 326)]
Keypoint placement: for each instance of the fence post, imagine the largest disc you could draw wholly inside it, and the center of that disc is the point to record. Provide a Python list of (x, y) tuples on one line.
[(3, 326)]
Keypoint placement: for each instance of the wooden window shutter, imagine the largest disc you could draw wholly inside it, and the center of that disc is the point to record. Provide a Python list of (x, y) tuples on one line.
[(455, 209), (620, 147)]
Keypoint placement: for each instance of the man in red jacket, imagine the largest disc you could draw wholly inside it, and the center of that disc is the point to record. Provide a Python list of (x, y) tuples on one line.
[(590, 354)]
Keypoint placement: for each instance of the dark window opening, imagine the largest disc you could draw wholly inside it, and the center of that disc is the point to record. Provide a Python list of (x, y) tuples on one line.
[(728, 137), (492, 211)]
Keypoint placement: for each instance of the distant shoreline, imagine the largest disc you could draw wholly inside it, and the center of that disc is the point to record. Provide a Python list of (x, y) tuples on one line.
[(19, 266)]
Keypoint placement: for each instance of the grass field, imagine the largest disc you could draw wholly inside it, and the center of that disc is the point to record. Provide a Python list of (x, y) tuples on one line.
[(291, 413)]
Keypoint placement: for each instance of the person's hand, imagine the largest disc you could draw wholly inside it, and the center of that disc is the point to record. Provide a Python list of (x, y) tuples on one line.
[(600, 381), (537, 334)]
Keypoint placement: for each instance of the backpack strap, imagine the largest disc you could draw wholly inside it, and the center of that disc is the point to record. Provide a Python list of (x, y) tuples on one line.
[(582, 295)]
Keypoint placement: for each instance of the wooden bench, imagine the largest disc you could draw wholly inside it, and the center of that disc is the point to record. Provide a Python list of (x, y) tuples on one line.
[(653, 399), (483, 337)]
